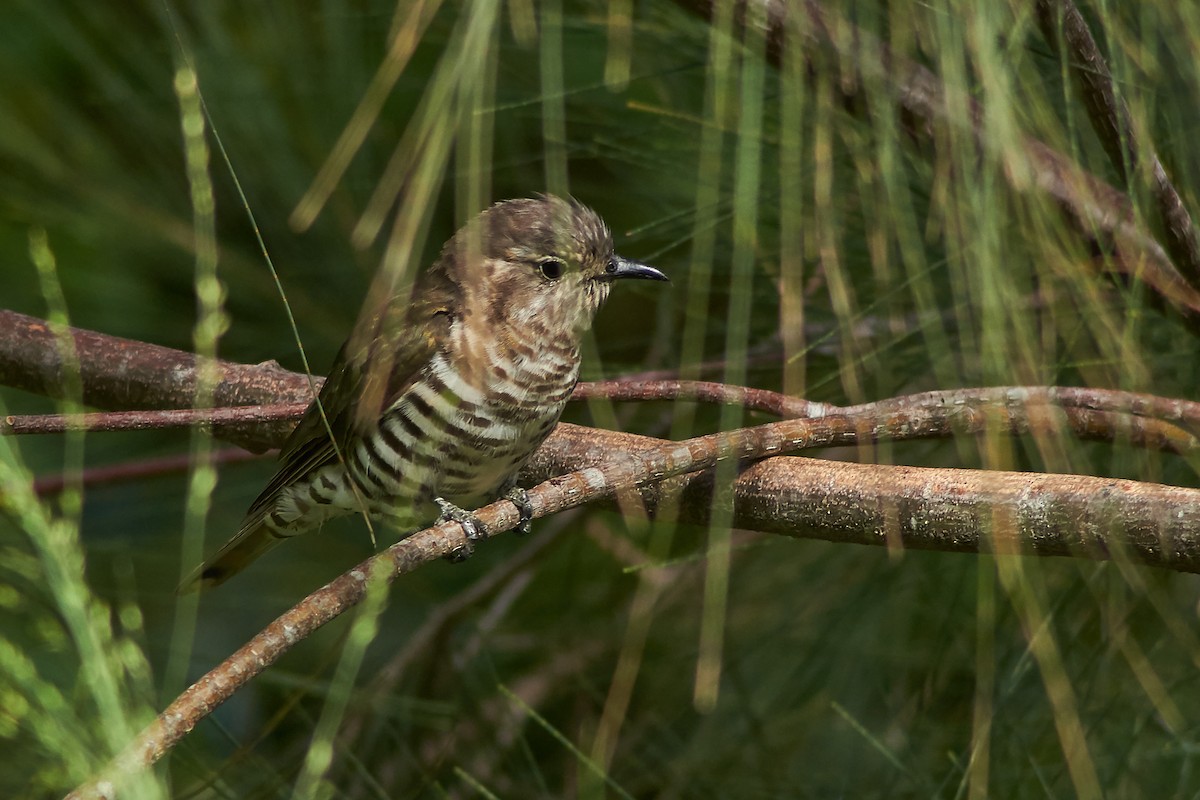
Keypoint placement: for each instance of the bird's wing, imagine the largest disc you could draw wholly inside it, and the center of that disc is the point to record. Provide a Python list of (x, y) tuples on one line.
[(364, 381)]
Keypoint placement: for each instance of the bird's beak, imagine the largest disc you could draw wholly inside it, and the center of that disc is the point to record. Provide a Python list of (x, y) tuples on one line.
[(619, 268)]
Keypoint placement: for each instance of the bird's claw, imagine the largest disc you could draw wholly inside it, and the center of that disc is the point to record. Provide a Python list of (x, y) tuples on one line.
[(471, 526), (520, 498)]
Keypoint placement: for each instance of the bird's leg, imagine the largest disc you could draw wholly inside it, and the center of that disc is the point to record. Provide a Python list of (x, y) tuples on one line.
[(471, 526), (520, 498)]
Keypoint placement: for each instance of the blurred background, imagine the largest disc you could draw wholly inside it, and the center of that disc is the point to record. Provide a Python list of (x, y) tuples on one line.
[(820, 241)]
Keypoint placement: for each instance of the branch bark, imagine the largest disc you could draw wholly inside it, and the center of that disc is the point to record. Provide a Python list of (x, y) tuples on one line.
[(224, 422), (122, 374)]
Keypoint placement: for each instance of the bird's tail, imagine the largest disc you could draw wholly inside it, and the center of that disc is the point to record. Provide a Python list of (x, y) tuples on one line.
[(254, 539)]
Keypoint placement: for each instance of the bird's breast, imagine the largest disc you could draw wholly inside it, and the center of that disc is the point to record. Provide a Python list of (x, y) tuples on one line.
[(462, 429)]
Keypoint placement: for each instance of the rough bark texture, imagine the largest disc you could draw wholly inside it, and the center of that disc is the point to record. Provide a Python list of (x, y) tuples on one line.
[(122, 374)]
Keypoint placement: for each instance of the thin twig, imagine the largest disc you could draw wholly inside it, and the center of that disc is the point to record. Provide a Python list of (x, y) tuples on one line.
[(1093, 414), (122, 374), (216, 418), (1097, 210), (781, 405), (1140, 404), (140, 470), (325, 604), (1098, 414), (1111, 120)]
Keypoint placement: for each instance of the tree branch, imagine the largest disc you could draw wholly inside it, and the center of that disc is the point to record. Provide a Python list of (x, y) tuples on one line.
[(1097, 414), (137, 470), (901, 507), (1111, 120), (226, 422), (122, 374), (1088, 517), (1098, 210)]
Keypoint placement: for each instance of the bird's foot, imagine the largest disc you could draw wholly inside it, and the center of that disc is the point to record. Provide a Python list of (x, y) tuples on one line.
[(471, 526), (520, 498)]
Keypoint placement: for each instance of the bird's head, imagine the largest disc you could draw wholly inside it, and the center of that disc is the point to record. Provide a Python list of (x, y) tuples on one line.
[(545, 262)]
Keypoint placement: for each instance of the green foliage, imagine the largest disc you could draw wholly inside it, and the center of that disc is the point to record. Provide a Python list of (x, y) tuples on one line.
[(816, 243)]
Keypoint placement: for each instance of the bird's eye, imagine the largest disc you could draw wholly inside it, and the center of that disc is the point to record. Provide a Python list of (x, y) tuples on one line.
[(551, 268)]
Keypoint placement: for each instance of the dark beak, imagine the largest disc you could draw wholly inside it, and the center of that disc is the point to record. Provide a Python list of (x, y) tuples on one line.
[(619, 268)]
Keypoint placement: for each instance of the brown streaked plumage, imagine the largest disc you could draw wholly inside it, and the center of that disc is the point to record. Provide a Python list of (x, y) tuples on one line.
[(455, 388)]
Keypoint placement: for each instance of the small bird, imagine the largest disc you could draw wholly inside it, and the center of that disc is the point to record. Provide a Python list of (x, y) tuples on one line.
[(455, 388)]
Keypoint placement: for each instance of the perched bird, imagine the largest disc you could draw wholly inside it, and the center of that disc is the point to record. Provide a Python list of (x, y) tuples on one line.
[(454, 388)]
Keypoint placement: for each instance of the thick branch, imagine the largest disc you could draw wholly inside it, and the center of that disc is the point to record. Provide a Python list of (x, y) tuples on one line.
[(121, 374), (917, 508)]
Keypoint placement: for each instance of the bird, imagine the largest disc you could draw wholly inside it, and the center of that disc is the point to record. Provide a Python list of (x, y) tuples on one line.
[(436, 410)]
